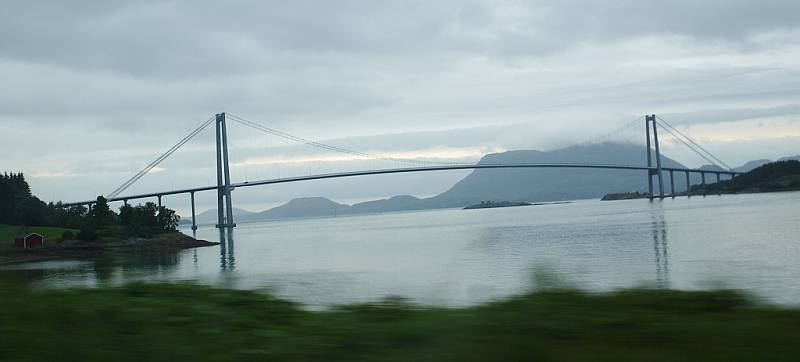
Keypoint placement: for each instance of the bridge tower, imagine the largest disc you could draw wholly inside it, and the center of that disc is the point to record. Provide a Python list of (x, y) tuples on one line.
[(650, 169), (224, 202)]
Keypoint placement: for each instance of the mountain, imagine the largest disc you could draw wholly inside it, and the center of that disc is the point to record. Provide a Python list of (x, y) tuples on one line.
[(210, 217), (304, 207), (525, 185), (397, 203), (554, 184), (752, 165)]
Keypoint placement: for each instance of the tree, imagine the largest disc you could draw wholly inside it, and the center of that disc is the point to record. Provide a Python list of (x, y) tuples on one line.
[(31, 211), (100, 214), (168, 219), (13, 191)]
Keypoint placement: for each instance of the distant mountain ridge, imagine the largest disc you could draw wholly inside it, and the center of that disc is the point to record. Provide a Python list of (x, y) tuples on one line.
[(515, 185)]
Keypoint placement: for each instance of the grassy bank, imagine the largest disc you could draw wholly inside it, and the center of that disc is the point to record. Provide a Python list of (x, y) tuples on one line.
[(187, 322), (51, 235)]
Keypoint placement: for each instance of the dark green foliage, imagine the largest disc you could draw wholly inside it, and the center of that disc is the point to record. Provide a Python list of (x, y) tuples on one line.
[(100, 214), (775, 176), (179, 322), (68, 235), (147, 220), (99, 222), (13, 191), (32, 211), (87, 234), (168, 219)]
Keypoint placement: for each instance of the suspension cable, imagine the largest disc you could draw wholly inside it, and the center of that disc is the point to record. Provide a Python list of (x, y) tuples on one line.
[(305, 141), (159, 159), (692, 141), (690, 146)]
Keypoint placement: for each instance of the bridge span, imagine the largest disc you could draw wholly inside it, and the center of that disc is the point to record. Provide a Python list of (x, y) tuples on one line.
[(224, 186), (651, 170)]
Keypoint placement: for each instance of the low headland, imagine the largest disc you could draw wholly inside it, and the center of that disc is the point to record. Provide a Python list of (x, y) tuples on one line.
[(777, 176), (78, 232), (55, 248), (772, 177)]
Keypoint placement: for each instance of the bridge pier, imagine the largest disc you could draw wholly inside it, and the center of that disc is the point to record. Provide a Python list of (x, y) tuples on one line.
[(672, 183), (159, 203), (658, 171), (224, 202), (688, 185), (703, 176), (649, 160), (194, 219)]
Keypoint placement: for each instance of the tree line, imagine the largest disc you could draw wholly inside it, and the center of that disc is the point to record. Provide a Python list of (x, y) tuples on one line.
[(18, 206)]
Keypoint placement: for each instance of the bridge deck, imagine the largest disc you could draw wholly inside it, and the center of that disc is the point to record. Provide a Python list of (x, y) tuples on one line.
[(405, 170)]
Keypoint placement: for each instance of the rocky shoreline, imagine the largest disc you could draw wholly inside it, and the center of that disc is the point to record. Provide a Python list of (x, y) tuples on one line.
[(75, 249)]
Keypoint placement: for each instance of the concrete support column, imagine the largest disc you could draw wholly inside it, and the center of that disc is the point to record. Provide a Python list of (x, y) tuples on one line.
[(649, 159), (703, 175), (227, 172), (672, 183), (194, 219), (220, 190), (159, 202), (652, 118), (688, 185)]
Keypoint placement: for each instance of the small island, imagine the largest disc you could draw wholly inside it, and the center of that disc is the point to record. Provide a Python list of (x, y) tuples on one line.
[(624, 196), (494, 204)]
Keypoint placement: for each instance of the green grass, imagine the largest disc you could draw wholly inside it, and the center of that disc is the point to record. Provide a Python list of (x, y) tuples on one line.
[(51, 234), (180, 322)]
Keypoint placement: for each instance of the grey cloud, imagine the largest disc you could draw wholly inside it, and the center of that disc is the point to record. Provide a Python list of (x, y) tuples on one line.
[(108, 85), (731, 115), (192, 39)]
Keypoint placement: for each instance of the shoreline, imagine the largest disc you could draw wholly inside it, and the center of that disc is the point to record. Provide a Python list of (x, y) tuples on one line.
[(171, 243)]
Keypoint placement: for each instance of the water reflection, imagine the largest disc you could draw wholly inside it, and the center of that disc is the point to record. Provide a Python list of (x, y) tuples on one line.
[(227, 259), (659, 230)]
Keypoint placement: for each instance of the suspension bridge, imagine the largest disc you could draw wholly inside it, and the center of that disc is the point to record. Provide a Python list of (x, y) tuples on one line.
[(654, 171)]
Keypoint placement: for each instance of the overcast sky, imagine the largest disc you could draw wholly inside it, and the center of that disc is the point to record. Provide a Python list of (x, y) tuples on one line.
[(92, 91)]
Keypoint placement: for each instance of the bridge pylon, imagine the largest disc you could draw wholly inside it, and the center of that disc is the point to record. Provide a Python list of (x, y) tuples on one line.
[(650, 169), (224, 202)]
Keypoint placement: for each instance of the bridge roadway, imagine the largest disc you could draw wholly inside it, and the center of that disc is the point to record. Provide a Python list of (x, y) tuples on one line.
[(653, 170)]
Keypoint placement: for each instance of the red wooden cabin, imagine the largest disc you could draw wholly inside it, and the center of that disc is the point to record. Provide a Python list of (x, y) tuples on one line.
[(28, 240)]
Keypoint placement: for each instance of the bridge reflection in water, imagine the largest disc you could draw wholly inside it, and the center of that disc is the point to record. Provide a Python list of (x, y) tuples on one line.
[(659, 229), (227, 258)]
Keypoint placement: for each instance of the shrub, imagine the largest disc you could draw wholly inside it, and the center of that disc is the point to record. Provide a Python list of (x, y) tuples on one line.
[(68, 235)]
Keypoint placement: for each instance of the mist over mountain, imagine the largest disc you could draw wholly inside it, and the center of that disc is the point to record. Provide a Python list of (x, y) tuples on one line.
[(528, 185)]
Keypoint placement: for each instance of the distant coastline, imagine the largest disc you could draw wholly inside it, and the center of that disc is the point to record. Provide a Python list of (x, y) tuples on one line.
[(496, 204)]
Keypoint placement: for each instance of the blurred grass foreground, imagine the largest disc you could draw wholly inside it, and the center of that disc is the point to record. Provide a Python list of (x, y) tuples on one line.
[(186, 322)]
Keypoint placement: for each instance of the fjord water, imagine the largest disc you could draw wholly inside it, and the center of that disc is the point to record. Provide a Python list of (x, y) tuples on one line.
[(462, 257)]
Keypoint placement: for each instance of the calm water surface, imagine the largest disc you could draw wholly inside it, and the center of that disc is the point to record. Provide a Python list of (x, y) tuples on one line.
[(462, 257)]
